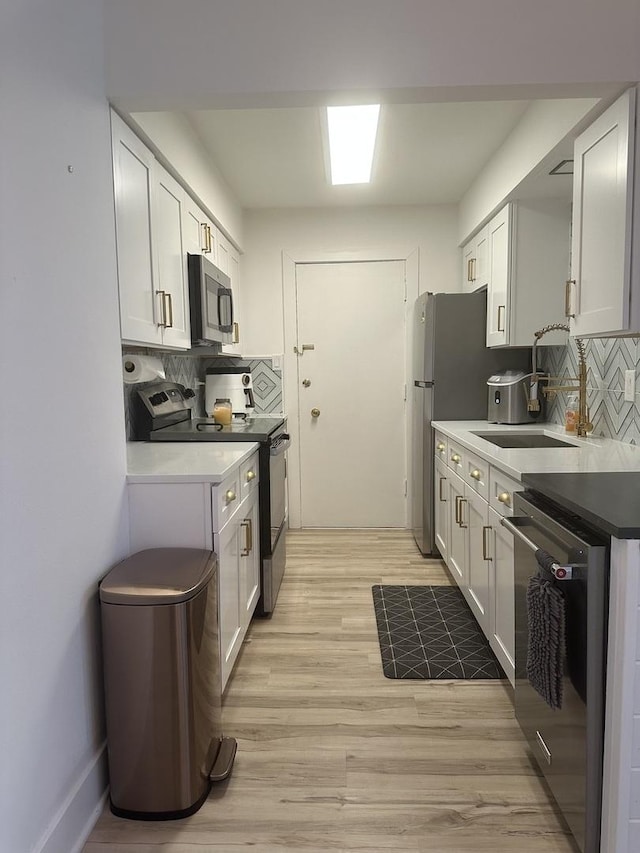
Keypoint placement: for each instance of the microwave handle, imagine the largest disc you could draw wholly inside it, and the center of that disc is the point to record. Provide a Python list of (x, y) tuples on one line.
[(225, 293)]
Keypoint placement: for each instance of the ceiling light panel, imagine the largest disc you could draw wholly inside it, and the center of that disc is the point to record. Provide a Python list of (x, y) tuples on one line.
[(352, 139)]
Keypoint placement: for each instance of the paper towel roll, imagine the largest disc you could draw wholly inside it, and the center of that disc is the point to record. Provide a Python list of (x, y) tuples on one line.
[(141, 368)]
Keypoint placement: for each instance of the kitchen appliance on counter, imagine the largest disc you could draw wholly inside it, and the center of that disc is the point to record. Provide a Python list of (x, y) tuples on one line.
[(162, 413), (567, 742), (508, 392), (230, 382), (450, 368), (210, 302)]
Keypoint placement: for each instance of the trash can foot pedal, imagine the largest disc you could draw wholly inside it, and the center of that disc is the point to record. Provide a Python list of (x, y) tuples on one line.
[(223, 764)]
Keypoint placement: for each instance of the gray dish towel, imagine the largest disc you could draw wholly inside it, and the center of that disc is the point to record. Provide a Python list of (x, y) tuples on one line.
[(546, 621)]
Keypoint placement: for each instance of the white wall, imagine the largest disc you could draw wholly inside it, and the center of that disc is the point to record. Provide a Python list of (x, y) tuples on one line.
[(62, 472), (433, 230), (177, 141), (162, 53), (542, 127)]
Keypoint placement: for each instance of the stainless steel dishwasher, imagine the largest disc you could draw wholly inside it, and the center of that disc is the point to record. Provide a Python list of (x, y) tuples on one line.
[(566, 743)]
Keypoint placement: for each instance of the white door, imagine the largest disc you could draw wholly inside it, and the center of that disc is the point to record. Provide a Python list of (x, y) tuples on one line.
[(352, 393)]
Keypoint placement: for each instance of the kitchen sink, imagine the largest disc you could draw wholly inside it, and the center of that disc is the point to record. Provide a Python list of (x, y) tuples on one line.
[(522, 440)]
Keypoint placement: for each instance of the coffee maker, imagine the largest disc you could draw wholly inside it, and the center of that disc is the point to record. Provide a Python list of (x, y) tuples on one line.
[(233, 383)]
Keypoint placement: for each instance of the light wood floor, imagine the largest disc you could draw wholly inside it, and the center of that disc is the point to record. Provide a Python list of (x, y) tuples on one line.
[(332, 756)]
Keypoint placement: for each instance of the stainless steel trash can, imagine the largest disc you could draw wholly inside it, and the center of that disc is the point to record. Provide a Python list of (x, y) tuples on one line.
[(162, 683)]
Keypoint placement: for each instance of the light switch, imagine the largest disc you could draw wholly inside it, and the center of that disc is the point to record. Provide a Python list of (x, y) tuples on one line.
[(630, 386)]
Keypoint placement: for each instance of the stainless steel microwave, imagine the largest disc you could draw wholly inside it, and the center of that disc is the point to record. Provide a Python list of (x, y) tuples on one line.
[(210, 301)]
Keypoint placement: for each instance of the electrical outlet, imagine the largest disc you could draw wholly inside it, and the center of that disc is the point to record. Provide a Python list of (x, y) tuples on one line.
[(630, 386)]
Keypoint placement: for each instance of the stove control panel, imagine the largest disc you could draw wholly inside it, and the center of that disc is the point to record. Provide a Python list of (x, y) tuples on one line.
[(165, 398)]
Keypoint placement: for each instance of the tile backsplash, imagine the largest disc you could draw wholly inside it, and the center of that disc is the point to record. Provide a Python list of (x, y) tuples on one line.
[(190, 371), (607, 360)]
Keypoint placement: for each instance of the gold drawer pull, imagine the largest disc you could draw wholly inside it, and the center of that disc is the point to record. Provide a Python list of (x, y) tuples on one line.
[(251, 475), (442, 480), (505, 498), (455, 457), (440, 446), (230, 496), (475, 474)]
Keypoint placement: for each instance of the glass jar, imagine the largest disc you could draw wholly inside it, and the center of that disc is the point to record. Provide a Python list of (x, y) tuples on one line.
[(222, 411)]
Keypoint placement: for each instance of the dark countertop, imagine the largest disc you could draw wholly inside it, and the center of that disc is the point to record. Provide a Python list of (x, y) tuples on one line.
[(609, 501)]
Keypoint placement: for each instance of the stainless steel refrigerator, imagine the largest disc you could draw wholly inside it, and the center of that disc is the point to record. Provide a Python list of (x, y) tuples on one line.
[(451, 365)]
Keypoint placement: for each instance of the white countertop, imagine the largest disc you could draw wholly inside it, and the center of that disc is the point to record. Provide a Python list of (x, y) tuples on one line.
[(590, 455), (185, 462)]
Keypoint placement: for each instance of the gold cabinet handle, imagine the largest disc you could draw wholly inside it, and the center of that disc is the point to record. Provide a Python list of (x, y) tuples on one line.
[(567, 298), (461, 522), (469, 277), (163, 302), (473, 269), (315, 413), (169, 323), (236, 333), (442, 480), (248, 541), (485, 549), (458, 499), (440, 446), (230, 496), (475, 474), (207, 238), (455, 457), (505, 498), (251, 475), (502, 309)]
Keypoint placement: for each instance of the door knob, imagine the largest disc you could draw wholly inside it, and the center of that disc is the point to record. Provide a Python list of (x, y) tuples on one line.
[(315, 413), (306, 382)]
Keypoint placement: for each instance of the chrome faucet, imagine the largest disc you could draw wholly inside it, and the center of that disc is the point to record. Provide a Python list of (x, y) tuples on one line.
[(583, 426)]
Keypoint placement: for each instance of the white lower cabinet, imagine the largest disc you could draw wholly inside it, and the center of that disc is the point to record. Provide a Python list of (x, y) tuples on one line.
[(237, 546), (478, 590), (223, 518), (441, 508), (457, 545), (502, 608), (477, 549)]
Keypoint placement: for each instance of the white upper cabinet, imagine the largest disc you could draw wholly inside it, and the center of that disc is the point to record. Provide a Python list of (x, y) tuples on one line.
[(172, 280), (154, 303), (198, 232), (140, 312), (475, 262), (604, 290), (498, 301), (528, 262)]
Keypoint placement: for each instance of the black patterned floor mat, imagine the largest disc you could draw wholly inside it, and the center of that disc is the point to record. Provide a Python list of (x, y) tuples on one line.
[(430, 632)]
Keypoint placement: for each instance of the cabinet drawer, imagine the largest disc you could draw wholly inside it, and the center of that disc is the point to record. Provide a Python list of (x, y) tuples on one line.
[(249, 476), (501, 491), (226, 499), (440, 447), (455, 458), (477, 474)]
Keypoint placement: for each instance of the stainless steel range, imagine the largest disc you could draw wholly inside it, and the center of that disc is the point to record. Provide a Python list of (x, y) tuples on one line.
[(162, 413)]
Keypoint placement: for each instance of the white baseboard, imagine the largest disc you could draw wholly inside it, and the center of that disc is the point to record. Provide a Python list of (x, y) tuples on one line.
[(74, 820)]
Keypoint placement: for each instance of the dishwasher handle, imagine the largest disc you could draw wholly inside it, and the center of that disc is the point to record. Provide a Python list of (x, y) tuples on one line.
[(560, 572)]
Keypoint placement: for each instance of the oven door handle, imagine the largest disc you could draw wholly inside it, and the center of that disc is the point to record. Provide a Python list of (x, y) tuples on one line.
[(560, 572), (511, 527), (282, 443)]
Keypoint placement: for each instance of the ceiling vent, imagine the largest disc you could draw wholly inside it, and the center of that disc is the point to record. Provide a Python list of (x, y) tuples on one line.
[(564, 167)]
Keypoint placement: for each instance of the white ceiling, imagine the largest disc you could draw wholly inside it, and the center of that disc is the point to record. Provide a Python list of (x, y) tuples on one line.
[(425, 153)]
